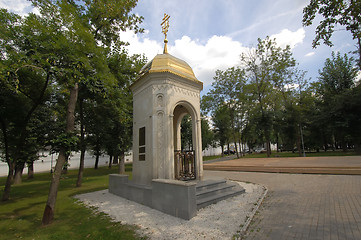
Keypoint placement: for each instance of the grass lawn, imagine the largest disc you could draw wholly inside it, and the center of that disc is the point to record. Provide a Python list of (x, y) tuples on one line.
[(207, 158), (20, 217), (290, 154)]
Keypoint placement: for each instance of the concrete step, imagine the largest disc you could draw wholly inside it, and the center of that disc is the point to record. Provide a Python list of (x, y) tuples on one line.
[(212, 191), (208, 184), (216, 189)]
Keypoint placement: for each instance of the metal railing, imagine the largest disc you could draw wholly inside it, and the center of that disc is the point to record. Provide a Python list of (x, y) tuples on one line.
[(184, 165)]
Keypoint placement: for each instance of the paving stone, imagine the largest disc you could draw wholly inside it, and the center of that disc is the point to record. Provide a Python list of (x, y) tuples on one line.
[(304, 206)]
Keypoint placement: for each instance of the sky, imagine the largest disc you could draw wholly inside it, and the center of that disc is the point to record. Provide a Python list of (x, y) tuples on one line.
[(211, 34)]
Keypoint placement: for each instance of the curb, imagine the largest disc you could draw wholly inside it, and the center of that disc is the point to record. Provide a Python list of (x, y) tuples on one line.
[(243, 230)]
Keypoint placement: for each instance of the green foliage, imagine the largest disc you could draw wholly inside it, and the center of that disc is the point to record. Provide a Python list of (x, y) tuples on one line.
[(67, 141), (269, 69), (109, 120), (338, 101), (186, 133), (335, 13), (338, 75), (43, 56), (229, 89), (262, 101), (207, 134), (345, 13), (222, 124)]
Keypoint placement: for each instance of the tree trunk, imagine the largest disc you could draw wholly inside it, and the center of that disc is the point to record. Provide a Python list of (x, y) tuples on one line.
[(82, 145), (240, 146), (65, 166), (9, 181), (222, 147), (325, 145), (31, 170), (96, 160), (10, 178), (357, 148), (236, 148), (115, 159), (268, 147), (49, 211), (344, 145), (19, 173), (359, 51), (110, 161), (234, 135), (121, 164), (298, 143), (81, 168)]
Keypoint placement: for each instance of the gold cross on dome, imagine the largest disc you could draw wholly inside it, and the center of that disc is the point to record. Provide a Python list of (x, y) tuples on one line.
[(165, 26)]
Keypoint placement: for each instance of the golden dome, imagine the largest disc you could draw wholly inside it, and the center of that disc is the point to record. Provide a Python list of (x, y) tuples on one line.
[(168, 63)]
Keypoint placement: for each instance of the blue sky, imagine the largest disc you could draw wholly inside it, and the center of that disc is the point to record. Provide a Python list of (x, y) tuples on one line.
[(211, 34)]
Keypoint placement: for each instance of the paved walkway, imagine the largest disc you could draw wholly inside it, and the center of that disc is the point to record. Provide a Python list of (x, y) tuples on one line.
[(324, 165), (304, 206)]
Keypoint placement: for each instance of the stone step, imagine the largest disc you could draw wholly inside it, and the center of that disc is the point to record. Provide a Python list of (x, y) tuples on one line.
[(203, 202), (209, 184), (215, 189), (212, 191)]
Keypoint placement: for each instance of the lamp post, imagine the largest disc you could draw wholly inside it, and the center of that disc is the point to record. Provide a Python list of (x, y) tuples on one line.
[(303, 145)]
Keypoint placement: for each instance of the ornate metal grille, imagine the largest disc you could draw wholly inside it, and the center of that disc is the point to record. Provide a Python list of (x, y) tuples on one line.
[(184, 165)]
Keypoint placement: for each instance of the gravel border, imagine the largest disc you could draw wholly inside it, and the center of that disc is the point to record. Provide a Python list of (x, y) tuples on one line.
[(223, 220)]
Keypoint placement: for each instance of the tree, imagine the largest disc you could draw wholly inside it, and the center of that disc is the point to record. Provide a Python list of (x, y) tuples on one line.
[(207, 134), (222, 125), (125, 69), (88, 28), (352, 100), (289, 117), (337, 80), (345, 13), (266, 66), (26, 72), (228, 88)]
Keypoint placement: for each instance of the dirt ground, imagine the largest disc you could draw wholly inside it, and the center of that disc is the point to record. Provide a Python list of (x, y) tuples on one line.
[(348, 165)]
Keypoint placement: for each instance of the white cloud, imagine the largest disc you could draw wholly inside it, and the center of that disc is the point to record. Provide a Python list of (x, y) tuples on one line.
[(143, 45), (287, 37), (21, 7), (310, 54), (218, 52)]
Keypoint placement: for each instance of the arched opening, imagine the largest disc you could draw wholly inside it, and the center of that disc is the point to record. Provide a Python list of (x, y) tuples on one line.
[(184, 142)]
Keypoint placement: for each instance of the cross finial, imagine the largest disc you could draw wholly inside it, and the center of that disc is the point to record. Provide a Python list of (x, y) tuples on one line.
[(165, 26)]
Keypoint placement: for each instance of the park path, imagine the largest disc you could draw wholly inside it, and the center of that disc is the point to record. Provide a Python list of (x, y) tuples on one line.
[(304, 206)]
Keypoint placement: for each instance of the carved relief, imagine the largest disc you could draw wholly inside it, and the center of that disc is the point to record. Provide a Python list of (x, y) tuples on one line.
[(160, 142), (160, 88), (160, 101), (187, 92)]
